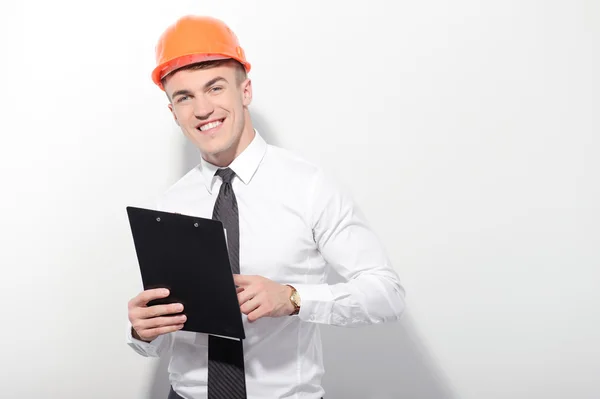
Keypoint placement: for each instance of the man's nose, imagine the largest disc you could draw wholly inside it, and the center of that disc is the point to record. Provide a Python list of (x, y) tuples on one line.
[(203, 108)]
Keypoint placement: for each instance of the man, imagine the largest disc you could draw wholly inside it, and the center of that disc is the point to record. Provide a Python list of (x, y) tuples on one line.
[(291, 227)]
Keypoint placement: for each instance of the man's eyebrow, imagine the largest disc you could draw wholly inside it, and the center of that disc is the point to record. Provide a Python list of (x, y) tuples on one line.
[(213, 81), (186, 92), (181, 93)]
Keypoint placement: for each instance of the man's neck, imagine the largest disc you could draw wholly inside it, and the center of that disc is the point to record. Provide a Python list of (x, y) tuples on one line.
[(224, 159)]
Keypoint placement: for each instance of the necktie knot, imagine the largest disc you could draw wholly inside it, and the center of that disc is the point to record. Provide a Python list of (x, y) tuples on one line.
[(226, 174)]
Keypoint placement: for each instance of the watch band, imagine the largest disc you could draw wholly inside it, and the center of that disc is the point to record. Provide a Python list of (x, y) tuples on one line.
[(295, 300)]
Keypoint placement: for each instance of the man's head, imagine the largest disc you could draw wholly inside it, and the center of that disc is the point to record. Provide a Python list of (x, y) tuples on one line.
[(203, 70), (209, 101)]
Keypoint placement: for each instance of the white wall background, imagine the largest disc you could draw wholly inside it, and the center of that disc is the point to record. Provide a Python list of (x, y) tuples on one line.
[(468, 131)]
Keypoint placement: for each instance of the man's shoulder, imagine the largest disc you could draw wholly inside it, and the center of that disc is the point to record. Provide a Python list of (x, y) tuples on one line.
[(301, 173), (190, 178), (161, 199), (290, 162)]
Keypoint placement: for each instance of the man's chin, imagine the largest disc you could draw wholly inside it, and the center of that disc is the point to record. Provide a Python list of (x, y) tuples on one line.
[(208, 148), (212, 154)]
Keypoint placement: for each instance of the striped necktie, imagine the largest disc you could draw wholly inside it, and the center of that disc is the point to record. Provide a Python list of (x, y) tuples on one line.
[(226, 377)]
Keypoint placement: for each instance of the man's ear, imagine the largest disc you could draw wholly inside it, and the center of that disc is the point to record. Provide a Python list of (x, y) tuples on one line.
[(173, 113), (247, 92)]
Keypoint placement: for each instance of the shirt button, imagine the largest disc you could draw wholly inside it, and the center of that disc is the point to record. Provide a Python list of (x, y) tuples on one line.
[(312, 317)]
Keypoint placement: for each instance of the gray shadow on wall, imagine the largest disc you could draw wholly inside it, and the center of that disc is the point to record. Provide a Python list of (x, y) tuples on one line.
[(373, 362), (380, 362)]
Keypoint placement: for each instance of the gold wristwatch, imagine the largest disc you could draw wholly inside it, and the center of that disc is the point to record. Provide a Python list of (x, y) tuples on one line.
[(295, 299)]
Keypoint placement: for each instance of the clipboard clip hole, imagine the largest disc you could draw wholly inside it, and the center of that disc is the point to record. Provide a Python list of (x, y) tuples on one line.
[(195, 224), (158, 219)]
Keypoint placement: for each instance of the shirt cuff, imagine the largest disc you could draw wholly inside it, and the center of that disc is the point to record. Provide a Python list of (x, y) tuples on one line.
[(316, 302), (142, 347)]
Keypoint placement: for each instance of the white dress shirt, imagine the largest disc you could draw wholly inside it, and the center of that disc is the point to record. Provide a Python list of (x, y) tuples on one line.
[(294, 225)]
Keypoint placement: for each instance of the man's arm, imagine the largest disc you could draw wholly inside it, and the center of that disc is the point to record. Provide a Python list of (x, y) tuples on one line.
[(372, 292)]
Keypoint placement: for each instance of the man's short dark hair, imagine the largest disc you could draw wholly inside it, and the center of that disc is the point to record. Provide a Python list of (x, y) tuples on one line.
[(240, 74)]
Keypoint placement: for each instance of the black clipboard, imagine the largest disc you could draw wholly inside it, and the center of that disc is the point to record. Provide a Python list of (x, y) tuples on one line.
[(188, 255)]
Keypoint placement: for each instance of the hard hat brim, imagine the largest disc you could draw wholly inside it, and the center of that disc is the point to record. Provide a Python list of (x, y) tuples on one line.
[(168, 67)]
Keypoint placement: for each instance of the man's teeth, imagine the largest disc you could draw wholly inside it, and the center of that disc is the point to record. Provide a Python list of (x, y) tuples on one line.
[(210, 125)]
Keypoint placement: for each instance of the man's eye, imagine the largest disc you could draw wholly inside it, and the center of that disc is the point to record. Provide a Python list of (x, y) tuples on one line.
[(182, 98), (215, 89)]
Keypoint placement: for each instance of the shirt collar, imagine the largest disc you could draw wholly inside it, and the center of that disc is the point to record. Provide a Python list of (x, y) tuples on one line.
[(244, 165)]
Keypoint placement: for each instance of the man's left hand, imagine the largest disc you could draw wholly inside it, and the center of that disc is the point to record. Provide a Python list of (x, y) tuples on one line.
[(261, 297)]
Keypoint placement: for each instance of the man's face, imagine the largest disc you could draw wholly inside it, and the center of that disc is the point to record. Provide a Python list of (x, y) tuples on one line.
[(209, 106)]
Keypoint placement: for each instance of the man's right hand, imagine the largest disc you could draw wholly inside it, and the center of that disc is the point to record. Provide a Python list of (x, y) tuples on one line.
[(149, 322)]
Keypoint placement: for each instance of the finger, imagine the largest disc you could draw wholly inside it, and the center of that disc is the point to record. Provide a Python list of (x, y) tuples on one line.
[(242, 280), (250, 305), (146, 296), (159, 310), (245, 295), (239, 289), (158, 322), (155, 332), (256, 314)]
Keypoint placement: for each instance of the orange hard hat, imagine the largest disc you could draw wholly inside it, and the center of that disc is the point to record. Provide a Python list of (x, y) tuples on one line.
[(193, 39)]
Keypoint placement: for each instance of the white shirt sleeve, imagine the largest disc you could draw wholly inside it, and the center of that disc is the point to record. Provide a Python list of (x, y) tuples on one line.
[(153, 348), (372, 292)]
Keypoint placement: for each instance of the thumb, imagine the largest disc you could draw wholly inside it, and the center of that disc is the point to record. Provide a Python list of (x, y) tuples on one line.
[(241, 280)]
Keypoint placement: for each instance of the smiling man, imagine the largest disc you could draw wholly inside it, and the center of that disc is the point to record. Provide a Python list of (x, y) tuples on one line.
[(287, 225)]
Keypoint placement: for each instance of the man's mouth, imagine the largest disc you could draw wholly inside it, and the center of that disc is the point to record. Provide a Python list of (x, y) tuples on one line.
[(203, 127)]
